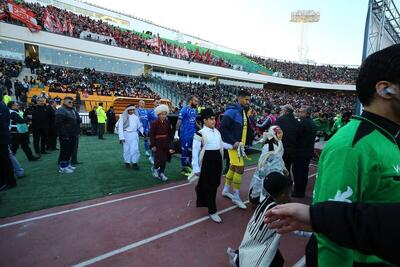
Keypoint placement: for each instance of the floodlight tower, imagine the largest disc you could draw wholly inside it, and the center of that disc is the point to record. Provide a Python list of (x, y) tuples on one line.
[(304, 17)]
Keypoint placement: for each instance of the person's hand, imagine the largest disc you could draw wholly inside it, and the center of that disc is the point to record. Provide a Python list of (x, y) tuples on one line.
[(289, 217), (236, 145), (171, 151), (176, 136), (286, 172), (154, 149)]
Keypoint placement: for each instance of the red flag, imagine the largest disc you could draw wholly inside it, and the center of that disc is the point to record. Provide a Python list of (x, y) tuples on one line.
[(23, 15), (70, 28), (65, 25), (59, 27), (3, 14), (47, 22), (197, 54)]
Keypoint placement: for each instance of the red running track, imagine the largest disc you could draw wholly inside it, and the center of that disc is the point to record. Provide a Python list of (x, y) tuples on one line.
[(155, 227)]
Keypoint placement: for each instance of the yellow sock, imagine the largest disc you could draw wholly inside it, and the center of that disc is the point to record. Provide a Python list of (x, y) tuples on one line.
[(229, 177), (237, 181)]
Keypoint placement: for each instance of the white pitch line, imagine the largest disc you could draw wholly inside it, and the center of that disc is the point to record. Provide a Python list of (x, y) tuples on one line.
[(158, 236), (97, 204), (149, 239), (301, 262)]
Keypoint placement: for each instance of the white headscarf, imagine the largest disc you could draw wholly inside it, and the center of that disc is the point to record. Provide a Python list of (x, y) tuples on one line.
[(125, 116), (268, 136)]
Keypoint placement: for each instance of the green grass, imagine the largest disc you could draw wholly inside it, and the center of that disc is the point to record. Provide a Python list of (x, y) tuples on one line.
[(103, 173)]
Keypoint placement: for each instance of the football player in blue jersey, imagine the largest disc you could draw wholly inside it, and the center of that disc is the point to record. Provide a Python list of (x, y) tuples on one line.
[(184, 132), (144, 119)]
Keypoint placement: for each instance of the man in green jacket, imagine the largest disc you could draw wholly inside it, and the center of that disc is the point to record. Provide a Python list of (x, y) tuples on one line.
[(101, 120), (361, 162), (323, 125)]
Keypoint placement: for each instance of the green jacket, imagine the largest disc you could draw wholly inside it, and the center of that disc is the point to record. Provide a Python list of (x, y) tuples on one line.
[(6, 99), (337, 125), (360, 163), (101, 115), (323, 127)]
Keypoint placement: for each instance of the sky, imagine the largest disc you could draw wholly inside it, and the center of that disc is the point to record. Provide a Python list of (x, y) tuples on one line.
[(262, 27)]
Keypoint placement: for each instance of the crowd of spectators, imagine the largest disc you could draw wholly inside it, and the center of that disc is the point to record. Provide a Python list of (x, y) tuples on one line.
[(10, 68), (218, 96), (308, 72), (68, 23), (90, 81)]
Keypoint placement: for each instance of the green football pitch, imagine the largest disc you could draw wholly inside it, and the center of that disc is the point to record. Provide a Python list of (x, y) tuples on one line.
[(101, 174)]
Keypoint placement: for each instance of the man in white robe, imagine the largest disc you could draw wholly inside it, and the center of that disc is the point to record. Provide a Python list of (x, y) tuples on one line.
[(128, 127)]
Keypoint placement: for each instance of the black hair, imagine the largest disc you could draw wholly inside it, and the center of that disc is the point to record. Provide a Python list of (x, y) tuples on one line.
[(276, 183), (207, 113), (243, 93), (10, 104), (68, 98), (100, 104), (383, 65)]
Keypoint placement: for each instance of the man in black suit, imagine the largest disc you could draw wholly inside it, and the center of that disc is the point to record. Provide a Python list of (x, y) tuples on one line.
[(7, 178), (289, 125), (40, 125), (306, 134), (52, 132)]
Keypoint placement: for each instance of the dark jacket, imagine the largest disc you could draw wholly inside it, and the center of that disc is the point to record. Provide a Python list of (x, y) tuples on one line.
[(111, 119), (15, 119), (66, 122), (5, 137), (232, 125), (289, 126), (368, 228), (40, 117), (51, 113), (306, 134), (93, 116)]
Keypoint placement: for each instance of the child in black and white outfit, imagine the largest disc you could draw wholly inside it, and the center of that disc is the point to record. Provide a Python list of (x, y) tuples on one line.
[(259, 247), (207, 157)]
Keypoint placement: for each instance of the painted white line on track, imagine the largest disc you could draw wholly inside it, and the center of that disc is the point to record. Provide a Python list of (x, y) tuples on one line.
[(301, 262), (155, 237), (149, 239), (98, 204)]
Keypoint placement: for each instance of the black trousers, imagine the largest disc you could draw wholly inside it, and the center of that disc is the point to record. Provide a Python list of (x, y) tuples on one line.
[(289, 160), (39, 136), (66, 148), (74, 153), (300, 174), (110, 127), (101, 129), (18, 139), (52, 138), (210, 179), (94, 128), (6, 168)]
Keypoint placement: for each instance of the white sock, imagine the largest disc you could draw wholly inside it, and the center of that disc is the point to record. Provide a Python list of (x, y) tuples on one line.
[(236, 194), (226, 188)]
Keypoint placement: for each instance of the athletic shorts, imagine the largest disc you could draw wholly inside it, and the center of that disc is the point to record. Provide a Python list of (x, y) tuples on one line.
[(234, 158)]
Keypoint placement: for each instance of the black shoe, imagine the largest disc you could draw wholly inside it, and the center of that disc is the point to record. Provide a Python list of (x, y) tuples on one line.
[(127, 165), (298, 195), (135, 166), (56, 148), (44, 152), (33, 158), (76, 162), (101, 138), (6, 187)]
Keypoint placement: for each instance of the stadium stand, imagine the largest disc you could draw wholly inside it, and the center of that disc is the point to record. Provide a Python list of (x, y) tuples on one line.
[(308, 72)]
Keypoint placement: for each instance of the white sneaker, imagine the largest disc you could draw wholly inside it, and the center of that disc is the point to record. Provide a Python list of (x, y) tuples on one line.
[(154, 172), (71, 167), (238, 202), (65, 170), (151, 160), (227, 194), (232, 256), (215, 217), (147, 154), (163, 177)]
